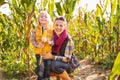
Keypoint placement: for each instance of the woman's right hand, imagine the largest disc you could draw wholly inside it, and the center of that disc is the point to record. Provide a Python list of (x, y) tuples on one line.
[(48, 56)]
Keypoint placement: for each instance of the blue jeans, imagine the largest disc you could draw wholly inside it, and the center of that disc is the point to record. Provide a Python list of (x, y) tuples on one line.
[(42, 70), (39, 69), (59, 67), (47, 67)]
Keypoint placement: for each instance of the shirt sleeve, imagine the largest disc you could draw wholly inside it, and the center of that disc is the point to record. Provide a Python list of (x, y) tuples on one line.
[(33, 39), (68, 52), (69, 49)]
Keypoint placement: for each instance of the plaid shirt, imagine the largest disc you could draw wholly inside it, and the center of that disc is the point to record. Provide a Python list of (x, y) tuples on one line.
[(68, 52)]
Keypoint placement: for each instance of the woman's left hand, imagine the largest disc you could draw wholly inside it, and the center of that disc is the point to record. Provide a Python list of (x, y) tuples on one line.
[(48, 56)]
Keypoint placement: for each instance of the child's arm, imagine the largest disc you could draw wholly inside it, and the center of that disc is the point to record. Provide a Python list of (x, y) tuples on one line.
[(34, 42)]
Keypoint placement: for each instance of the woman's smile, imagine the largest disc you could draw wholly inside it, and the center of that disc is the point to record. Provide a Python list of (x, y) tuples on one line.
[(59, 26)]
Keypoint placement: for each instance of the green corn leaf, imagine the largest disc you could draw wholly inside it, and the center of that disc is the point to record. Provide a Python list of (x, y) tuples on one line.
[(51, 8), (105, 6), (1, 2), (59, 8), (99, 10), (113, 6), (116, 67)]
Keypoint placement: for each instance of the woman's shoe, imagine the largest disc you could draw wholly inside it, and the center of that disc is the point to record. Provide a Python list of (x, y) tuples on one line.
[(64, 76)]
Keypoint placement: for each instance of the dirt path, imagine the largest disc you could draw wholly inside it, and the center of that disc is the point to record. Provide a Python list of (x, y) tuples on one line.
[(87, 71)]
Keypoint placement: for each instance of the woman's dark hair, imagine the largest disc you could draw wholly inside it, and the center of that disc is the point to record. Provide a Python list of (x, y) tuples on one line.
[(60, 18)]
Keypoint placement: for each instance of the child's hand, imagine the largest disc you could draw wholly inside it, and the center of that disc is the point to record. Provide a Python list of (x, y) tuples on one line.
[(44, 39), (51, 43), (40, 46)]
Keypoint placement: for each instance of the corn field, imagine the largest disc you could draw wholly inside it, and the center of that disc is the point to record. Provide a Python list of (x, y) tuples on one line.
[(96, 33)]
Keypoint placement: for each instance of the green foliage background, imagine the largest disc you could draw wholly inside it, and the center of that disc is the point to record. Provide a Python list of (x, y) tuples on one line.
[(96, 33)]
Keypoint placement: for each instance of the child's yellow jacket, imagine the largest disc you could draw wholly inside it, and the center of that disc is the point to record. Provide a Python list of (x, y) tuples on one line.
[(39, 36)]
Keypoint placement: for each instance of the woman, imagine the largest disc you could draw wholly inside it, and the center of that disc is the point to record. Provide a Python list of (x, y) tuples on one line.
[(61, 50)]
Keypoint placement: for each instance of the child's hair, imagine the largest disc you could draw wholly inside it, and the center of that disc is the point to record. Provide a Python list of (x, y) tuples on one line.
[(60, 18), (49, 19)]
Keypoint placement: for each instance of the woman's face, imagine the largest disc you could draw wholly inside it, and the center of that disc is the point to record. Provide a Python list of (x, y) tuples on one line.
[(59, 26), (43, 18)]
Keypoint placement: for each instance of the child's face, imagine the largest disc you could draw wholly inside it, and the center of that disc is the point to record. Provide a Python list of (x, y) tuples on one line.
[(43, 19), (59, 26)]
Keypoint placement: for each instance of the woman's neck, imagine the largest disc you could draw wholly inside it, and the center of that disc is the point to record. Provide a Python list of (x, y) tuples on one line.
[(58, 35)]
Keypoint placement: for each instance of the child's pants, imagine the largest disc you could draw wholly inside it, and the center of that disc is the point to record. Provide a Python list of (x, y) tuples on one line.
[(47, 67), (43, 69)]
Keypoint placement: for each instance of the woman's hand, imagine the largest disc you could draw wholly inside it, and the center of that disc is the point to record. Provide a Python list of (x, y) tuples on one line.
[(48, 56)]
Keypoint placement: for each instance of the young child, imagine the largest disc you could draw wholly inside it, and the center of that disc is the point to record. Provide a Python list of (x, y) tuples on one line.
[(42, 41)]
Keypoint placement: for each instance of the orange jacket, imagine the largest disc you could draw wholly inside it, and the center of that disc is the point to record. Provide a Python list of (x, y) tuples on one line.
[(39, 36)]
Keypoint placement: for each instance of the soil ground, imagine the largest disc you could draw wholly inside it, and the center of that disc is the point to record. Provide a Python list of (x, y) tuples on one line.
[(87, 71)]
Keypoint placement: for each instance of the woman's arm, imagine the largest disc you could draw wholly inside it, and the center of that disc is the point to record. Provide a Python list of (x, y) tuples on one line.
[(68, 52), (69, 48)]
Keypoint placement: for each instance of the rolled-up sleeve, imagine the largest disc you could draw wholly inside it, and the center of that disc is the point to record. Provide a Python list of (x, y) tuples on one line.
[(68, 52), (69, 49), (33, 39)]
